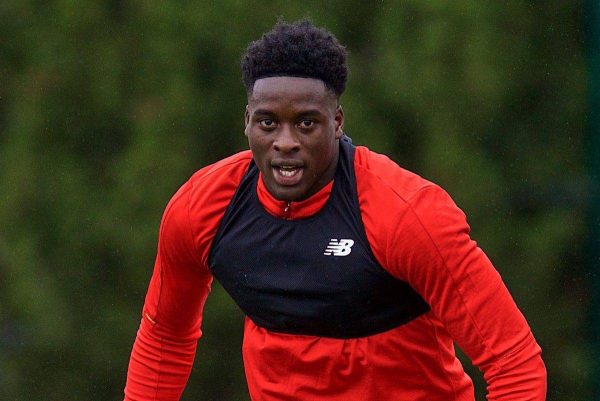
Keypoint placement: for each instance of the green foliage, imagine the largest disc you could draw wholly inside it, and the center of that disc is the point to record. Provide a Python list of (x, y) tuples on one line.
[(107, 107)]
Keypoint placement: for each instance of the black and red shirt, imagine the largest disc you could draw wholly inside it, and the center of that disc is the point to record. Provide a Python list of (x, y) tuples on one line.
[(415, 234)]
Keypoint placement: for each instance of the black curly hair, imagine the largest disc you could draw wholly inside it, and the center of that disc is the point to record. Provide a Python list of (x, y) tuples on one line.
[(298, 49)]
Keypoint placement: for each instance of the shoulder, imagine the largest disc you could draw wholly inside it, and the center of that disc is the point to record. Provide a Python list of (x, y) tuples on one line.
[(378, 176), (377, 172), (396, 203), (226, 171), (196, 209), (221, 176)]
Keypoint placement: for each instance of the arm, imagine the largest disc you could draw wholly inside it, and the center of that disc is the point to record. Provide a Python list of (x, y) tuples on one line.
[(164, 349), (467, 294)]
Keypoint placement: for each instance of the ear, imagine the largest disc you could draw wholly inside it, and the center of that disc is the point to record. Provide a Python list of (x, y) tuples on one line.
[(246, 121), (339, 122)]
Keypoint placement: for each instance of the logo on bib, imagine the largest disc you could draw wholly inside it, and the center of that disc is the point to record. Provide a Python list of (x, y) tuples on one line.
[(339, 248)]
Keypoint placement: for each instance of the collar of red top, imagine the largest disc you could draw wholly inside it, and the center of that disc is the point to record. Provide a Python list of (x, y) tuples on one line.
[(292, 210)]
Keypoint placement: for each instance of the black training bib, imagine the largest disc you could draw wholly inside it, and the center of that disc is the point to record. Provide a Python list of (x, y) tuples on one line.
[(315, 276)]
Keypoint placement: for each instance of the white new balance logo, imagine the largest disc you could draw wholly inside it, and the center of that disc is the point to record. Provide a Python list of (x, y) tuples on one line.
[(339, 248)]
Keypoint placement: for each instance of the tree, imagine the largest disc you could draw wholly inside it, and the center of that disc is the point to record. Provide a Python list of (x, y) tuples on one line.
[(107, 107)]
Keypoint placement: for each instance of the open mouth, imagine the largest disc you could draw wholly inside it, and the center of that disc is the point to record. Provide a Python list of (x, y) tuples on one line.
[(287, 174)]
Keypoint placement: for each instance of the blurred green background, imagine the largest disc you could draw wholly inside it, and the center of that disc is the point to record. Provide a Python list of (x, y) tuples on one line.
[(107, 107)]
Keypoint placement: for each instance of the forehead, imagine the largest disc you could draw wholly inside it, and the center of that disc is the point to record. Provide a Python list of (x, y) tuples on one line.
[(280, 91)]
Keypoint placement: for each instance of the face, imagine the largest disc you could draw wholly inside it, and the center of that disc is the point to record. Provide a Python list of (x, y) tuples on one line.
[(293, 126)]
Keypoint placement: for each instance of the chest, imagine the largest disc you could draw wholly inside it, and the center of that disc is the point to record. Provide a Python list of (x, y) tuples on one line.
[(315, 276)]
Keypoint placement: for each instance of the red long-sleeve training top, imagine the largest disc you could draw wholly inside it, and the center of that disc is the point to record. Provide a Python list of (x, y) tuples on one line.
[(416, 233)]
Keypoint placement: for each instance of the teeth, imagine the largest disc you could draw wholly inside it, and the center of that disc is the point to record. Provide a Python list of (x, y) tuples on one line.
[(287, 171)]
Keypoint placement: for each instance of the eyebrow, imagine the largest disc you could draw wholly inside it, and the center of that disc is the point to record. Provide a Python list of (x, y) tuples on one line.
[(305, 113), (262, 111), (311, 112)]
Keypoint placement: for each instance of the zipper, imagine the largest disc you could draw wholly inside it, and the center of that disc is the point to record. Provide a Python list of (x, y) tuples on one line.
[(286, 210)]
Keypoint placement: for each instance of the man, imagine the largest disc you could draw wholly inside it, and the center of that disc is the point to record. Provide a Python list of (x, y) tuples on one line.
[(356, 276)]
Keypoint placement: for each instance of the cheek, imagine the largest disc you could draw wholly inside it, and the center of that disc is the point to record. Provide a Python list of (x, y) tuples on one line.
[(258, 145), (255, 140), (324, 153), (331, 145)]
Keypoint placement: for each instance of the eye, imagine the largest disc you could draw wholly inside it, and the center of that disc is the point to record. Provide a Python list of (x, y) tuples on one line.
[(267, 123), (306, 124)]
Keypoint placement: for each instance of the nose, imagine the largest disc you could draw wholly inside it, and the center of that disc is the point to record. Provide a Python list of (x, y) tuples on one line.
[(286, 141)]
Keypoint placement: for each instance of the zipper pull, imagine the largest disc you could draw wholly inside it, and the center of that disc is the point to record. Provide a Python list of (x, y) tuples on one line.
[(287, 207)]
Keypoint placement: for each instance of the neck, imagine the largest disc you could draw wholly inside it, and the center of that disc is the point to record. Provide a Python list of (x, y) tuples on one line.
[(292, 210)]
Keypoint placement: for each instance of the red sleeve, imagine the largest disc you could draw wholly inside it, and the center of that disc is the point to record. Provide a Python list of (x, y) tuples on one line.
[(163, 352), (467, 294), (165, 346), (427, 244)]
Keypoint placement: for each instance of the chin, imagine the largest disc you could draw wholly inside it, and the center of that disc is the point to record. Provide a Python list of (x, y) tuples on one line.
[(287, 196), (286, 193)]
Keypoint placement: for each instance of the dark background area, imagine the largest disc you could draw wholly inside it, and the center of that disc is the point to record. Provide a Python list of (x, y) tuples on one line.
[(107, 107)]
